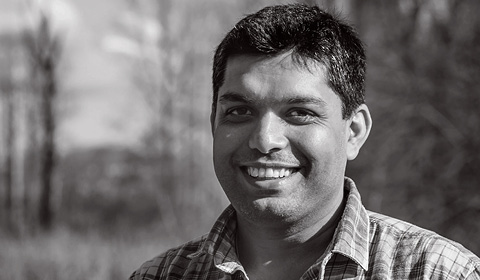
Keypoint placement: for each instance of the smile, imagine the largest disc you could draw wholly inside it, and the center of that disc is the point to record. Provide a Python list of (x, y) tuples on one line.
[(269, 173)]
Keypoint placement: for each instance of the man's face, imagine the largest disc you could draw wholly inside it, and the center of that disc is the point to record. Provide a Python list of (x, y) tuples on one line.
[(279, 140)]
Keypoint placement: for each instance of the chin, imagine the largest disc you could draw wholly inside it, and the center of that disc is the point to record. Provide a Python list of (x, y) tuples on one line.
[(273, 209)]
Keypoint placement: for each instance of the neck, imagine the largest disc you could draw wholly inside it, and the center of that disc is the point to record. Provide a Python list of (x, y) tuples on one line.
[(289, 251)]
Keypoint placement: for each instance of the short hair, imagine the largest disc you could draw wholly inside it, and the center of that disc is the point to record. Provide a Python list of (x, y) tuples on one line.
[(311, 34)]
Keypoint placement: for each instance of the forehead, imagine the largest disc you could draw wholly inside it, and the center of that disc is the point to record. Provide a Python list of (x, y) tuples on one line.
[(285, 62), (277, 77)]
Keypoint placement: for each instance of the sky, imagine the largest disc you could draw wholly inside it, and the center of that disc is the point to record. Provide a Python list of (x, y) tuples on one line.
[(97, 103), (109, 110)]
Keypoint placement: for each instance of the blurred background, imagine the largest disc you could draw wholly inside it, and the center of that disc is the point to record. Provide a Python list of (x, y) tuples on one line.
[(105, 144)]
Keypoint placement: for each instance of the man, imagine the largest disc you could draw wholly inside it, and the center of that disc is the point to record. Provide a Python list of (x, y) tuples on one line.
[(288, 112)]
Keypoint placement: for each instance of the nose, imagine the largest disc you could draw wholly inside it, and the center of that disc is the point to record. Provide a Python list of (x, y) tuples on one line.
[(269, 134)]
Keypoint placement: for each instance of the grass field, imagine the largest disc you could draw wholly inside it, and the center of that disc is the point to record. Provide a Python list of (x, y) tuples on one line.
[(66, 255)]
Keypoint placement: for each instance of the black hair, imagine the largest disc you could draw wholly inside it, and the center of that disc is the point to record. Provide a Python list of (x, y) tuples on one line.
[(311, 34)]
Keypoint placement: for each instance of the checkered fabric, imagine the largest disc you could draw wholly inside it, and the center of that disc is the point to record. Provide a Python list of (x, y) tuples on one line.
[(366, 245)]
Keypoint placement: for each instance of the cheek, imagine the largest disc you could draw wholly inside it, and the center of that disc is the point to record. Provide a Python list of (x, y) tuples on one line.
[(226, 142), (322, 150)]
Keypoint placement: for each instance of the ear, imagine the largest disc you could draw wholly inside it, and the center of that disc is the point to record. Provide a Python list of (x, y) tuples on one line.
[(359, 129)]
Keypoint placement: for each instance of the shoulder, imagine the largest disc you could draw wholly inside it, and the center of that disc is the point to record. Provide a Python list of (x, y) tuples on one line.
[(174, 260), (396, 228), (416, 250)]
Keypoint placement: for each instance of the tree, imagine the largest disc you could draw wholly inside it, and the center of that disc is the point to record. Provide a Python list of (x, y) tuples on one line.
[(7, 89), (420, 159), (43, 49)]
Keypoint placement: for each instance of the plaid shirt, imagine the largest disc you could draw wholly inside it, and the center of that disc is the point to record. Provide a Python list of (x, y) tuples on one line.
[(366, 245)]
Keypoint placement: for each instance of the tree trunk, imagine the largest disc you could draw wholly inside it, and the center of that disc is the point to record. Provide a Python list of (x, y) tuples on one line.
[(48, 144), (9, 150), (45, 50)]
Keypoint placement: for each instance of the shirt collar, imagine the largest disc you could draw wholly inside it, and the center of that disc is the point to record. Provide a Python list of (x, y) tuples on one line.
[(351, 237), (220, 242)]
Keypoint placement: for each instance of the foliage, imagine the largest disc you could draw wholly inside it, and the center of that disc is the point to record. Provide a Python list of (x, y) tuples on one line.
[(421, 159)]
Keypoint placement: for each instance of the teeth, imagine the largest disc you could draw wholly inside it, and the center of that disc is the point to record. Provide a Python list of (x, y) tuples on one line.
[(269, 172), (253, 172), (261, 172), (276, 173)]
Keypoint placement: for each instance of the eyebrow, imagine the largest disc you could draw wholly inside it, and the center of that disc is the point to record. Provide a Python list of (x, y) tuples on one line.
[(234, 97), (237, 97), (307, 100)]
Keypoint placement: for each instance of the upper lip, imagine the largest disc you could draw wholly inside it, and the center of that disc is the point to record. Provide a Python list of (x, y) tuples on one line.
[(261, 164)]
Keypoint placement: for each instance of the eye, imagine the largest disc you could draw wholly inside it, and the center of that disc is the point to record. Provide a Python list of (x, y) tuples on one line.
[(239, 111), (238, 114), (302, 116)]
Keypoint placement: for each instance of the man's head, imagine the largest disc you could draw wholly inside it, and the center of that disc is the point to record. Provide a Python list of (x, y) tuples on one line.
[(311, 35), (288, 113)]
